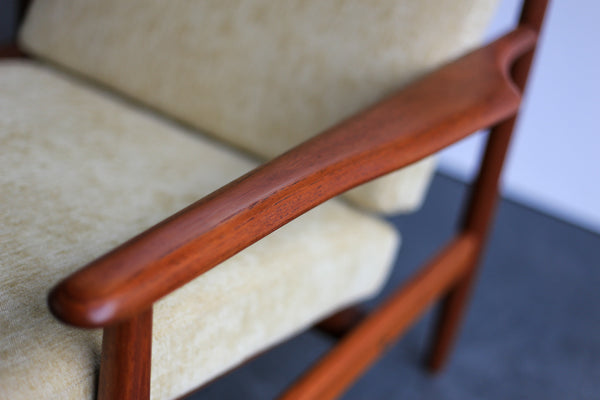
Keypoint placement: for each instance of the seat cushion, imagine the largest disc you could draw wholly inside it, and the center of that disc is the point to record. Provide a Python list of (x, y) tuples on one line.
[(82, 172), (264, 75)]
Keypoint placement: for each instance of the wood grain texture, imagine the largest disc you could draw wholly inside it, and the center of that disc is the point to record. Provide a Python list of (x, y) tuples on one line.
[(126, 359), (482, 202), (468, 94), (332, 375)]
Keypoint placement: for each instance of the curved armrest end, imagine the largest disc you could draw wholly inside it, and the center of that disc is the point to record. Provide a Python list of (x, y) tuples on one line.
[(466, 95)]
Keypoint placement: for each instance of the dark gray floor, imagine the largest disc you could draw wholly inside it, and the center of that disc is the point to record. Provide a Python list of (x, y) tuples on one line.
[(532, 330)]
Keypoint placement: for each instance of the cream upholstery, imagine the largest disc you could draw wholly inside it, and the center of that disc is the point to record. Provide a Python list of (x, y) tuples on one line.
[(261, 74), (83, 171)]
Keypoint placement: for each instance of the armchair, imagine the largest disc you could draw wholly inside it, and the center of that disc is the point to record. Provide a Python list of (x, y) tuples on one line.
[(117, 290)]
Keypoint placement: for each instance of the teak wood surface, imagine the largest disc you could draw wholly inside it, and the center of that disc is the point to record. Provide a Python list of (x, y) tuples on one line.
[(471, 93), (476, 91), (482, 203), (126, 359), (364, 344)]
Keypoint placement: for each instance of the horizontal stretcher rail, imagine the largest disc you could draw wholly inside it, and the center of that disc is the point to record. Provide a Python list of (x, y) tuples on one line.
[(339, 368)]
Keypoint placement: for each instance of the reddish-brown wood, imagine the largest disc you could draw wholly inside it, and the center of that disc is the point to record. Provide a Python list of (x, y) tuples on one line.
[(11, 51), (471, 93), (357, 351), (474, 92), (483, 200), (342, 322), (126, 356)]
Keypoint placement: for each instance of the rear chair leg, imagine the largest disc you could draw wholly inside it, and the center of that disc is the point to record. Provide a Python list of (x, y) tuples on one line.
[(449, 319), (483, 199), (477, 222)]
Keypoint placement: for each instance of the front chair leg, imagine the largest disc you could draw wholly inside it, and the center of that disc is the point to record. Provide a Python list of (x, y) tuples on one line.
[(126, 358)]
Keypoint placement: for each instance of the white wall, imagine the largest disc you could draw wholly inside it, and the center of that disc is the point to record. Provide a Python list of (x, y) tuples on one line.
[(554, 162)]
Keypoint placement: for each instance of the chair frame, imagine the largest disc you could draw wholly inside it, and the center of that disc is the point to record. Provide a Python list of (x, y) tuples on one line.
[(479, 90)]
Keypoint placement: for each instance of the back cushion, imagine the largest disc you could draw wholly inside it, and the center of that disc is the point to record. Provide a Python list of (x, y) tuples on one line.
[(262, 75)]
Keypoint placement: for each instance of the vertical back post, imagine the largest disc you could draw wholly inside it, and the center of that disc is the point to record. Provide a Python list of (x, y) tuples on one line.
[(482, 202)]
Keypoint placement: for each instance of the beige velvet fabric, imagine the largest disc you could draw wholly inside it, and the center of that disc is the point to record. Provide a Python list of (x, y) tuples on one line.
[(81, 172), (264, 75)]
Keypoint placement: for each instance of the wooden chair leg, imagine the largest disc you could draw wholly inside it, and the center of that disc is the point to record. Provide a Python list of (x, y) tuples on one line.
[(126, 357), (449, 319), (339, 368), (341, 322), (477, 222), (483, 200)]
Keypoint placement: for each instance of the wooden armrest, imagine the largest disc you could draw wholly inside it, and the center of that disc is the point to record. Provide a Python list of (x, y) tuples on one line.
[(468, 94)]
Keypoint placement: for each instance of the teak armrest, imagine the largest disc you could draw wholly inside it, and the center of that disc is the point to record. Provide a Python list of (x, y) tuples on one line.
[(468, 94)]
